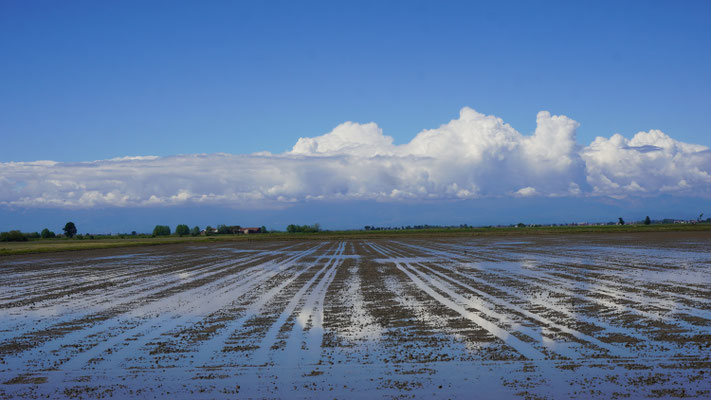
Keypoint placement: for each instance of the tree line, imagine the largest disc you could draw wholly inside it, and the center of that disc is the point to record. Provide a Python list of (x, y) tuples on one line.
[(180, 230), (70, 231), (303, 228)]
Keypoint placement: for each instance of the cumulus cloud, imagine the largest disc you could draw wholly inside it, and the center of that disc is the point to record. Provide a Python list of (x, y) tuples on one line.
[(473, 156), (349, 138), (649, 163)]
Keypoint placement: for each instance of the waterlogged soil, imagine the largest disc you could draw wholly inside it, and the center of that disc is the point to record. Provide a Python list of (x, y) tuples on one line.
[(586, 316)]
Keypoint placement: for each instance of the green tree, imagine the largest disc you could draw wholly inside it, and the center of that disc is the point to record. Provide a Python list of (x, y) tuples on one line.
[(195, 231), (70, 229), (46, 234), (647, 221), (182, 230), (621, 221), (161, 230), (264, 229), (303, 228)]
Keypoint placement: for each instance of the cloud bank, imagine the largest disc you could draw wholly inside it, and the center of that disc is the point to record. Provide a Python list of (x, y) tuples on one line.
[(473, 156)]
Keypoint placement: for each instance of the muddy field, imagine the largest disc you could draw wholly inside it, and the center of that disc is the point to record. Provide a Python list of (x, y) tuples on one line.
[(585, 316)]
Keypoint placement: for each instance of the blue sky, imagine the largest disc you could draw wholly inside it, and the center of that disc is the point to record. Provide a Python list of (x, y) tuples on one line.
[(92, 80), (83, 81)]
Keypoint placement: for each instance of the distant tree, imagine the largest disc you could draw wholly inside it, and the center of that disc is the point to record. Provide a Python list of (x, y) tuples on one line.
[(133, 233), (520, 225), (263, 229), (182, 230), (700, 217), (223, 229), (621, 221), (161, 230), (195, 231), (12, 236), (303, 228), (70, 229), (647, 221), (46, 234), (208, 230)]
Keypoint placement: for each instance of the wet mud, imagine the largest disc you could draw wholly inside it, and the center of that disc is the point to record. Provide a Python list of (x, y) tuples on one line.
[(586, 316)]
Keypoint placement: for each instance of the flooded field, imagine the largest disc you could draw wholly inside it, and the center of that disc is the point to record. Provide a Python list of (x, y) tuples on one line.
[(585, 316)]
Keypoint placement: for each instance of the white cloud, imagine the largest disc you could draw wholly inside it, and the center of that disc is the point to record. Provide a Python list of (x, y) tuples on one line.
[(526, 192), (472, 156), (348, 138), (649, 163)]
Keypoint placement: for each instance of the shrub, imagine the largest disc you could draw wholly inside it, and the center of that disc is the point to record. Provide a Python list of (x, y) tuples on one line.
[(195, 231), (226, 230), (12, 236)]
